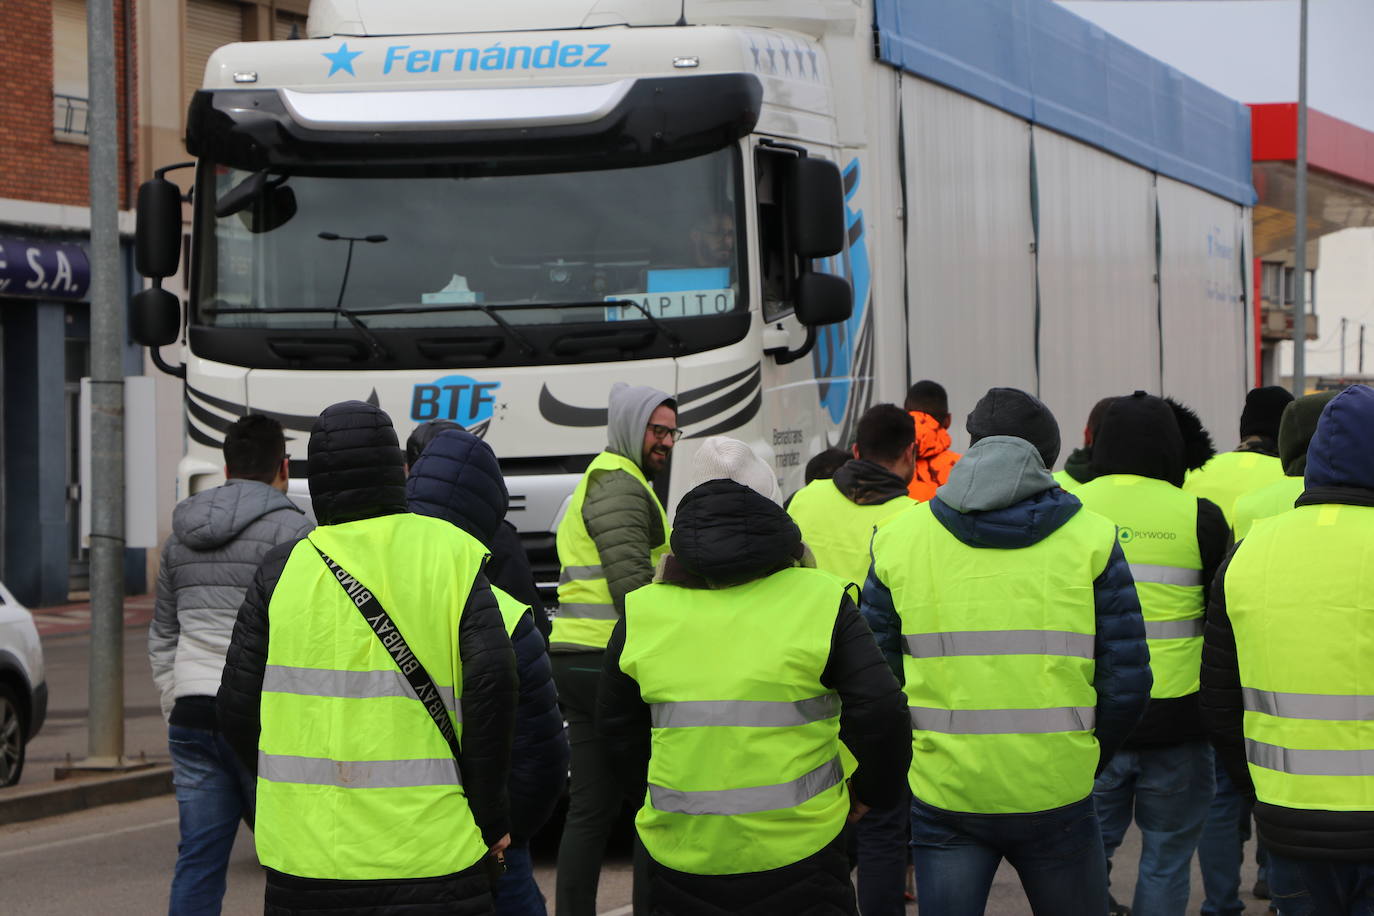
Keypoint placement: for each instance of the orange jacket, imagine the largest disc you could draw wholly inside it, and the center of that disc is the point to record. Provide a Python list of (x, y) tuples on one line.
[(934, 460)]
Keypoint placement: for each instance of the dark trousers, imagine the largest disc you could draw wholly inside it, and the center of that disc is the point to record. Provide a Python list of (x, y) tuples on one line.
[(595, 795), (884, 849), (1057, 854), (1321, 888)]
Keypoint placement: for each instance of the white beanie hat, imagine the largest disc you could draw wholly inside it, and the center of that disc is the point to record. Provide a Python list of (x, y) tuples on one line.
[(723, 457)]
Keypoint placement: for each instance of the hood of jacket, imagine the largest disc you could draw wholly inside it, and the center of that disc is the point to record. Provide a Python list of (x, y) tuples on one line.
[(726, 534), (1079, 464), (1342, 450), (627, 414), (355, 464), (458, 479), (1150, 437), (213, 518), (996, 472), (865, 483), (931, 438), (1296, 429)]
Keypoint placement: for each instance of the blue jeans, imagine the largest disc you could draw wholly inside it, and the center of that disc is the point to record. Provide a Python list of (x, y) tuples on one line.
[(1170, 789), (1057, 854), (884, 837), (213, 793), (516, 893), (1319, 888), (1221, 849)]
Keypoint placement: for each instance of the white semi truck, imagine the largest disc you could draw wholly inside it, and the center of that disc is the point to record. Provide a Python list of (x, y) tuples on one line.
[(490, 213)]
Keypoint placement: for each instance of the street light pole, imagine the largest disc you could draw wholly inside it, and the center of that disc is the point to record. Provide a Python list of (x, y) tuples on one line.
[(1300, 258)]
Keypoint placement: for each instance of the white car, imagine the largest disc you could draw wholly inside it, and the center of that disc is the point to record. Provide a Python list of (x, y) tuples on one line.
[(23, 690)]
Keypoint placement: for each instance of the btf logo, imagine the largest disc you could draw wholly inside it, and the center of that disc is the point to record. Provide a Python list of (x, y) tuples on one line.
[(455, 397)]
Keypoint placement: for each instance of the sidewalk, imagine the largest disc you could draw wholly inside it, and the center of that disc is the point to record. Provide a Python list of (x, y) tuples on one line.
[(76, 618), (65, 634)]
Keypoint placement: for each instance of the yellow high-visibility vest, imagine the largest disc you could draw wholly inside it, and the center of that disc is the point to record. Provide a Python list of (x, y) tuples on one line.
[(347, 750)]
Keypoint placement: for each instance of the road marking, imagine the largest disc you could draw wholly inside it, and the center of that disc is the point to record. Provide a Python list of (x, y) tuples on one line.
[(96, 836)]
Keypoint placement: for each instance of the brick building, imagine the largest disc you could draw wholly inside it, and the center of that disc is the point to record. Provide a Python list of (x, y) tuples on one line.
[(44, 281)]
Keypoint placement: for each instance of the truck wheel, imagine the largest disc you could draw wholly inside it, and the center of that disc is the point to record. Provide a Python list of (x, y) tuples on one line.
[(11, 737)]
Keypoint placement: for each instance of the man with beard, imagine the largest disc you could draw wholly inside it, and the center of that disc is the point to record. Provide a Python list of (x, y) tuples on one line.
[(609, 541)]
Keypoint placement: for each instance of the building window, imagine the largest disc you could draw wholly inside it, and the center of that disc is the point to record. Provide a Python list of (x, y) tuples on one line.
[(70, 92), (210, 24)]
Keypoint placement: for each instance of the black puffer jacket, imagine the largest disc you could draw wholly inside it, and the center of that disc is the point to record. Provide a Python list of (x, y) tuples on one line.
[(726, 534), (1157, 438), (356, 473), (459, 480), (1340, 471)]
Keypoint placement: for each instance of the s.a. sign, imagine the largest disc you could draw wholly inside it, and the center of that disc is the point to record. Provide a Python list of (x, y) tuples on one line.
[(32, 269)]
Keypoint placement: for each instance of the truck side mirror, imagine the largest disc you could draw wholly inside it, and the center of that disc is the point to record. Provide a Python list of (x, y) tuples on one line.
[(154, 317), (815, 208), (157, 239), (823, 299)]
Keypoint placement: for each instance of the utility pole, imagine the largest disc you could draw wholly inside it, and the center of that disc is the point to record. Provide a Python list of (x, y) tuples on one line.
[(105, 748), (1300, 292)]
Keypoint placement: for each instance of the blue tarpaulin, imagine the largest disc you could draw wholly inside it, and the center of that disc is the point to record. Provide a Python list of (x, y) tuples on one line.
[(1037, 60)]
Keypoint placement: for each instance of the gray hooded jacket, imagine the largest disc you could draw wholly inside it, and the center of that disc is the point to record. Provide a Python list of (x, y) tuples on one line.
[(218, 538), (622, 517)]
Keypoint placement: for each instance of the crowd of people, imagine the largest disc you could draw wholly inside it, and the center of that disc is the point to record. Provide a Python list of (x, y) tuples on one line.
[(920, 664)]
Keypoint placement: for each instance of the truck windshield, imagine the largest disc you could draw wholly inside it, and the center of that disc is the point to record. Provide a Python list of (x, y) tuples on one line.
[(437, 249)]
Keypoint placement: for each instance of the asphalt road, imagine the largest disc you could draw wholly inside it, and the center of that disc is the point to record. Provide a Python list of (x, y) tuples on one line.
[(119, 859)]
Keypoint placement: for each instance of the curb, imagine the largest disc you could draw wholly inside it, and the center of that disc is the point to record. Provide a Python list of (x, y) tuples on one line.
[(49, 800)]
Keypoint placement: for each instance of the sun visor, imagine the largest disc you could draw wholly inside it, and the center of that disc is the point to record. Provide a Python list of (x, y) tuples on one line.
[(632, 121)]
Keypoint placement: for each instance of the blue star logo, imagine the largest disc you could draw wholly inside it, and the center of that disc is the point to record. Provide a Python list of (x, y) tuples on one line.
[(341, 59)]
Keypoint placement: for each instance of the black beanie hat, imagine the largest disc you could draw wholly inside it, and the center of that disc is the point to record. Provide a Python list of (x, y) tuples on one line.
[(1263, 410), (1012, 412)]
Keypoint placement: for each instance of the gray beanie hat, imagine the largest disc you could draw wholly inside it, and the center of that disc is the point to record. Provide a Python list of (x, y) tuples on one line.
[(1012, 412)]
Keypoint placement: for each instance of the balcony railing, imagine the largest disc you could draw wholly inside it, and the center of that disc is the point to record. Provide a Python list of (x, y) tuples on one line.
[(70, 117)]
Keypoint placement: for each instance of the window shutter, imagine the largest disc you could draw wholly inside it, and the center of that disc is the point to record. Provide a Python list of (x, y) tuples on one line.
[(209, 24)]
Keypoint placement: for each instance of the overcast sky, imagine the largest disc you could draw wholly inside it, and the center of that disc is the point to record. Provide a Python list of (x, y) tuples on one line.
[(1248, 49)]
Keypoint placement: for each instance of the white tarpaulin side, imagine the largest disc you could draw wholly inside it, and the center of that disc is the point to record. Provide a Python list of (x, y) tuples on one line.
[(1203, 316), (1099, 328), (970, 266)]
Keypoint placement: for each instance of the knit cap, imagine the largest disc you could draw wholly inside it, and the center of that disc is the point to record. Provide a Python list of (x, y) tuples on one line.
[(723, 457), (1012, 412), (1264, 411)]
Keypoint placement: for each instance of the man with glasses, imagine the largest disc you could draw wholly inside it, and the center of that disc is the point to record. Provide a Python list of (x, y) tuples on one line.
[(610, 539)]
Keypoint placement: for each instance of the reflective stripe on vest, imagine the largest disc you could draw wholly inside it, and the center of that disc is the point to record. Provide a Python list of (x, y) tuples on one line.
[(1000, 642), (356, 685), (747, 770), (346, 749), (1308, 761), (839, 531), (999, 661), (744, 713), (1003, 721), (586, 614), (1349, 708), (359, 774), (751, 800), (1157, 529), (1304, 669)]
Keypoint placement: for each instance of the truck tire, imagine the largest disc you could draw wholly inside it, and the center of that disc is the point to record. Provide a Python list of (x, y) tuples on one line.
[(11, 737)]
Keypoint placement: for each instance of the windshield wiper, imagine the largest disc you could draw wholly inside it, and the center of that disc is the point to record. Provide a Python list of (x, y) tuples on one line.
[(374, 344), (674, 342), (378, 349)]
